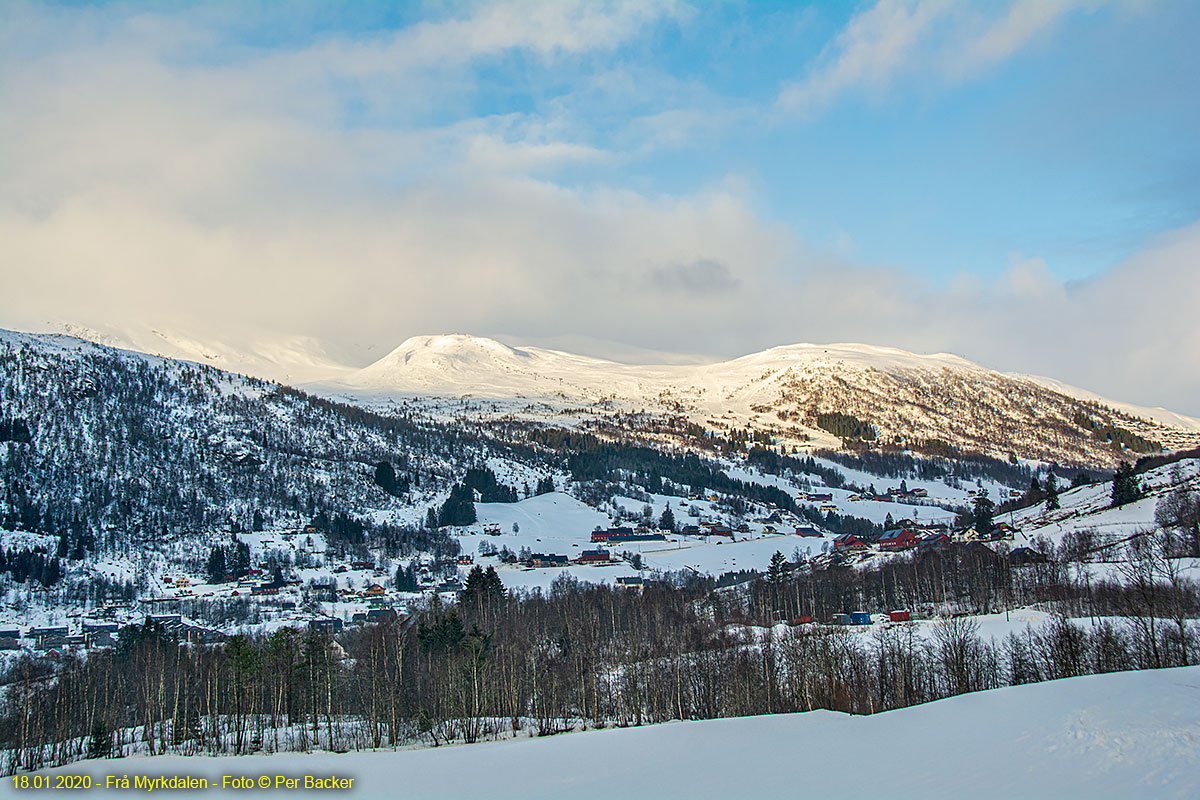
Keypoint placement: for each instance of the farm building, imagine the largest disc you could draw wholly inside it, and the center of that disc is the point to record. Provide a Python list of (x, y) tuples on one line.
[(329, 624), (637, 537), (848, 542), (605, 535), (597, 556), (898, 539), (547, 560), (933, 541)]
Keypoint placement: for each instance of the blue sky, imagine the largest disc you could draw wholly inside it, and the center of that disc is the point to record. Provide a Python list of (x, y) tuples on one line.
[(1017, 182)]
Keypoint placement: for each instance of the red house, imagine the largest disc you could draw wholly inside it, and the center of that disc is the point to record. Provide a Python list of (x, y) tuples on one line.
[(597, 556), (849, 542), (934, 540), (899, 539)]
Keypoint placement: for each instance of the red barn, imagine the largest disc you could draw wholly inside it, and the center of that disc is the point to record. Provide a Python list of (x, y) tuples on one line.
[(899, 539)]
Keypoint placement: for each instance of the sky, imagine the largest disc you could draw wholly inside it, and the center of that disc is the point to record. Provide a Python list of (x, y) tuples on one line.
[(1014, 182)]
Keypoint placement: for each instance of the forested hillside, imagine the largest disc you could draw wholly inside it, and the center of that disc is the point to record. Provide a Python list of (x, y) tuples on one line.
[(104, 444)]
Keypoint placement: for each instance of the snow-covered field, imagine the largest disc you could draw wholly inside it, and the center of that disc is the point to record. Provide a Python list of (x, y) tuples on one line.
[(560, 524), (1120, 735)]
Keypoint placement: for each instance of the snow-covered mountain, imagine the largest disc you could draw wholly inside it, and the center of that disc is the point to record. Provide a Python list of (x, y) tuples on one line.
[(286, 359), (917, 400)]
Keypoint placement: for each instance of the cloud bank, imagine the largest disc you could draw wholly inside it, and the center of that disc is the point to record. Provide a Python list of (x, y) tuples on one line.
[(346, 191)]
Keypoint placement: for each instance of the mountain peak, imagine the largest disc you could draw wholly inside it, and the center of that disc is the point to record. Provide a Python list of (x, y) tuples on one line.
[(902, 396)]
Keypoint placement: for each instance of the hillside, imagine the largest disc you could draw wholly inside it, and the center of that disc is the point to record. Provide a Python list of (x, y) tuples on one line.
[(116, 447), (1119, 735), (890, 396)]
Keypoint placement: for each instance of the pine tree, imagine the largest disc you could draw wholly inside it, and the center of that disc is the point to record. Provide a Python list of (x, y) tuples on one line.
[(100, 742), (1125, 488), (777, 572), (216, 565), (1052, 503), (473, 589), (667, 521), (984, 513), (385, 477), (459, 508), (406, 578), (492, 585)]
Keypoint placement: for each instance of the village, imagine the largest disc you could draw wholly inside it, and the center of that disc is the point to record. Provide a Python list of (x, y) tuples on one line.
[(296, 581)]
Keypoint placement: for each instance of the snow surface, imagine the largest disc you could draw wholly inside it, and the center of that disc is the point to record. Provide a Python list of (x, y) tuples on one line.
[(460, 365), (1120, 735), (1157, 414), (1090, 507)]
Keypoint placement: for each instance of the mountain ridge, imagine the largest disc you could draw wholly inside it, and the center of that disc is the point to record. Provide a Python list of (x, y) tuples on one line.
[(907, 397), (924, 402)]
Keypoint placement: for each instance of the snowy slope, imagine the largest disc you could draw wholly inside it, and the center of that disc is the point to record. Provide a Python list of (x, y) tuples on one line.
[(1159, 415), (288, 359), (1120, 735), (902, 395), (1090, 507)]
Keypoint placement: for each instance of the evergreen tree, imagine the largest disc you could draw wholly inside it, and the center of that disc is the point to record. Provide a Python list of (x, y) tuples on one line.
[(100, 742), (492, 585), (667, 521), (216, 565), (1052, 492), (459, 508), (1125, 488), (385, 477), (777, 572), (472, 590), (406, 578), (984, 514), (237, 561)]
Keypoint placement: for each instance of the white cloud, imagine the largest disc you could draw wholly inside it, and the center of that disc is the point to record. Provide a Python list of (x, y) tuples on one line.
[(940, 40), (229, 201)]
